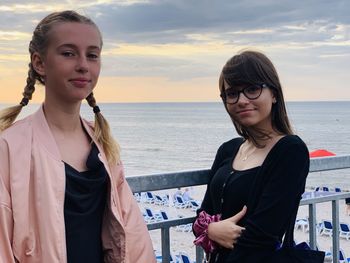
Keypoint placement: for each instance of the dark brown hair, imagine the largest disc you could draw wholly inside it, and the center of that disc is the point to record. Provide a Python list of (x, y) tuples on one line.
[(254, 68)]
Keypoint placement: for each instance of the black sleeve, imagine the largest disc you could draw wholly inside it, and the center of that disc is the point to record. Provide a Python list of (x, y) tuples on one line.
[(347, 201), (286, 173)]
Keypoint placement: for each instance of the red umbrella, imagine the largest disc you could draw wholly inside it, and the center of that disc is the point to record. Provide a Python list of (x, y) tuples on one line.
[(321, 153)]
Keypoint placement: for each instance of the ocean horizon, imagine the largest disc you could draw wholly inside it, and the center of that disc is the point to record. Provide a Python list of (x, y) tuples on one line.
[(165, 137)]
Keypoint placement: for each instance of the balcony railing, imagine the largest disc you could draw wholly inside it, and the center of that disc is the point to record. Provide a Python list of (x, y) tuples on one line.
[(155, 182)]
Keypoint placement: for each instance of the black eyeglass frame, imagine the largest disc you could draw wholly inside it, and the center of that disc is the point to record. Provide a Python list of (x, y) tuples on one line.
[(261, 86)]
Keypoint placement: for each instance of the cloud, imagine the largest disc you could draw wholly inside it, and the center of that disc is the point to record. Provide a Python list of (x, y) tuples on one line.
[(189, 39), (37, 6), (219, 16), (14, 35), (341, 55)]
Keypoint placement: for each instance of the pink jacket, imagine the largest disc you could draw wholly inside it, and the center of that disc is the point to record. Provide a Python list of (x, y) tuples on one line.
[(32, 190)]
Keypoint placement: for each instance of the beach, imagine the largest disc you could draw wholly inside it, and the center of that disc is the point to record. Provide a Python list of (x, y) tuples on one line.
[(182, 241)]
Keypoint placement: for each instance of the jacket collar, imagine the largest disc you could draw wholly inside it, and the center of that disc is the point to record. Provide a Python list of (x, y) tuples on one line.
[(42, 130)]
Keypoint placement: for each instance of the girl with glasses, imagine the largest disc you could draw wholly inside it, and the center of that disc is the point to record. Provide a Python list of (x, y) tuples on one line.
[(257, 179), (63, 193)]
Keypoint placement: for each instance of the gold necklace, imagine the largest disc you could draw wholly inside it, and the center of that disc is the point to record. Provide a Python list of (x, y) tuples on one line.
[(245, 158), (246, 155)]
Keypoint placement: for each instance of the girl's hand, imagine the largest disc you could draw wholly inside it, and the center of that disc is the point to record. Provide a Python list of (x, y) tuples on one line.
[(226, 232)]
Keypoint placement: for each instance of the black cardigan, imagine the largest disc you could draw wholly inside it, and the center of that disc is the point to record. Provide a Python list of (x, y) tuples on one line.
[(274, 196)]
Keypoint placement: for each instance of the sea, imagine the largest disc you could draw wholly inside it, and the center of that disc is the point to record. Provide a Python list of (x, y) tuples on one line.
[(167, 137)]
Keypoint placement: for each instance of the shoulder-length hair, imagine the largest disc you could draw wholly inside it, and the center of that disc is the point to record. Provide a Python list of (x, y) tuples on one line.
[(254, 68)]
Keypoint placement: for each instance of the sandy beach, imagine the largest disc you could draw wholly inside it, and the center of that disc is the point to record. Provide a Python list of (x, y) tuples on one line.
[(183, 241)]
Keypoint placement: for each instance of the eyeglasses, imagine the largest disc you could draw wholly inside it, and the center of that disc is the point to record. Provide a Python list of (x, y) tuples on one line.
[(231, 95)]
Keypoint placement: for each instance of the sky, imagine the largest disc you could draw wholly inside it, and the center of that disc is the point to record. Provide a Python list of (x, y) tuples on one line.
[(174, 50)]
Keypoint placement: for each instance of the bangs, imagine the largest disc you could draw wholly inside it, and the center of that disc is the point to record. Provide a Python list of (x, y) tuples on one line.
[(241, 72)]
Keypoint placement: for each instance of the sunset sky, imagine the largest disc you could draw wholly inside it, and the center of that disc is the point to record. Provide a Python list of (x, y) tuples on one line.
[(173, 50)]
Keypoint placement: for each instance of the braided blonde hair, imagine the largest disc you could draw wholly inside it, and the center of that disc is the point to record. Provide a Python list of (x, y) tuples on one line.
[(9, 115), (103, 132), (39, 44)]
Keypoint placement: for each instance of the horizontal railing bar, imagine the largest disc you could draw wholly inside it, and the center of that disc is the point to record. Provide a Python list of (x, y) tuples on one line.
[(164, 181), (155, 182), (171, 222), (329, 163), (327, 198)]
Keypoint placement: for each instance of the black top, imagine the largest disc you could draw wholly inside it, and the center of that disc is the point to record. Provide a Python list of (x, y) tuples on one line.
[(85, 200), (230, 189), (274, 192)]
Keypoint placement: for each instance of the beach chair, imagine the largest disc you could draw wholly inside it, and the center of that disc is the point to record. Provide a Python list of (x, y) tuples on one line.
[(172, 258), (137, 197), (166, 199), (328, 257), (194, 205), (302, 223), (148, 216), (184, 228), (164, 216), (326, 228), (344, 231), (158, 200), (143, 197), (342, 257), (179, 202), (325, 189), (149, 198), (151, 217), (184, 258)]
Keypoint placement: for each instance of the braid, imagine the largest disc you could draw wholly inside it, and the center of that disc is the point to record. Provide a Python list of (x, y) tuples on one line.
[(9, 115), (31, 79), (103, 133)]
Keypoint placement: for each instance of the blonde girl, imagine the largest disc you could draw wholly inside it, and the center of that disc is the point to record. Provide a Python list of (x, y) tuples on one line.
[(63, 193)]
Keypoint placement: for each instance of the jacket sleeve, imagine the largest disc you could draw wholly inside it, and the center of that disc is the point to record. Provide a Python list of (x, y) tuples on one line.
[(286, 174), (139, 247), (6, 219)]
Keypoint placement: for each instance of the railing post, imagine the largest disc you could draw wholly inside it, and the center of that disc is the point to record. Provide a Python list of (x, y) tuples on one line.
[(165, 236), (199, 254), (335, 235), (312, 225)]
